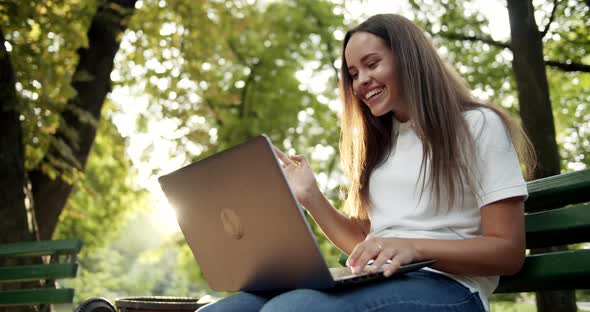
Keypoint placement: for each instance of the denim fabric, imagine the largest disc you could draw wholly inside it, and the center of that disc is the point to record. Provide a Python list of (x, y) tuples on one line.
[(416, 291)]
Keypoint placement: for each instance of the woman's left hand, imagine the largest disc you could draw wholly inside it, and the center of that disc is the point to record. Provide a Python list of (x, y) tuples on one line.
[(399, 251)]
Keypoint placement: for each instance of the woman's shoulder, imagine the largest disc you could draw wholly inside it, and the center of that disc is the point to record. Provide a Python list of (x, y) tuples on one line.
[(480, 114), (483, 120)]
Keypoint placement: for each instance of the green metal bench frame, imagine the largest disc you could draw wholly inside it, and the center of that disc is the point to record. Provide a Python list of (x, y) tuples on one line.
[(60, 262)]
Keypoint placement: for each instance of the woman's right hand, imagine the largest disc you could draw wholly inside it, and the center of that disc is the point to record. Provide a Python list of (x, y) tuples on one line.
[(300, 177)]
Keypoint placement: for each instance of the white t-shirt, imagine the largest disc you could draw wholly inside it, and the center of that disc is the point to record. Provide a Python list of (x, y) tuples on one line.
[(397, 210)]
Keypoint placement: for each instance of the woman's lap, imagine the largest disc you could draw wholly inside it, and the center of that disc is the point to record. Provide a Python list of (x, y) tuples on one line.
[(416, 291)]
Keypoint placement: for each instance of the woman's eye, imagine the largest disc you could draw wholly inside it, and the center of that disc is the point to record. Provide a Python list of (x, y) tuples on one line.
[(354, 76), (373, 65)]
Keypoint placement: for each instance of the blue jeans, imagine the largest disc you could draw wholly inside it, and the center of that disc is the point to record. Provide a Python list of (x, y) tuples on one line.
[(415, 291)]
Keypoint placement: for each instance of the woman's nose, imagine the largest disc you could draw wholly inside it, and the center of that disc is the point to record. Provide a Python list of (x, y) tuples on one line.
[(364, 79)]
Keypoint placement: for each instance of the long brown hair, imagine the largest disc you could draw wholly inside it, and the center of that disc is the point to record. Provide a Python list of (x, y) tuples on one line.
[(436, 97)]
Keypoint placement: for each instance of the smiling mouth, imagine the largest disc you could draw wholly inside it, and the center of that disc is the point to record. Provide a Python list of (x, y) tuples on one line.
[(373, 93)]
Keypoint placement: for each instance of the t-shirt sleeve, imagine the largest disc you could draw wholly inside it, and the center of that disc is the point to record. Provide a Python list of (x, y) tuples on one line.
[(497, 170)]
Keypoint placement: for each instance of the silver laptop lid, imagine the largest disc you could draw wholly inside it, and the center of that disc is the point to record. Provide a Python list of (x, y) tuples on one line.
[(242, 222)]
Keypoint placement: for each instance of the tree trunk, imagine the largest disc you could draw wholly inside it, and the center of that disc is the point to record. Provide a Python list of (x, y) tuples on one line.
[(13, 215), (14, 224), (536, 114), (533, 91), (92, 83)]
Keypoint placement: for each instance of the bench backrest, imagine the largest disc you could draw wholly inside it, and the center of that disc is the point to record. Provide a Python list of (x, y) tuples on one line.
[(558, 213), (60, 261)]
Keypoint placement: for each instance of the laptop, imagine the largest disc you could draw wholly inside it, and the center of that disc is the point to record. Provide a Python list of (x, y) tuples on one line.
[(246, 229)]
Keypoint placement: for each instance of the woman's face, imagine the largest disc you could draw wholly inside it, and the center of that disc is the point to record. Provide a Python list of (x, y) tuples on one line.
[(373, 70)]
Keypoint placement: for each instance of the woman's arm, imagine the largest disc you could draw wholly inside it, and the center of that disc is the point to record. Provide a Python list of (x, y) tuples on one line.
[(499, 251), (342, 231)]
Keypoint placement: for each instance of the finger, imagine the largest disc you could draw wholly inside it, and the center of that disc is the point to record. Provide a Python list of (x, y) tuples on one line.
[(350, 261), (390, 268), (284, 159), (362, 261), (352, 258), (381, 260)]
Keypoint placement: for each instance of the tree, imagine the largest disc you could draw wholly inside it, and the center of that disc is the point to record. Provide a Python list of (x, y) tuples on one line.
[(59, 119)]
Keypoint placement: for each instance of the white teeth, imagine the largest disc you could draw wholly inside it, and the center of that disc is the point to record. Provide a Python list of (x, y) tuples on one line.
[(373, 92)]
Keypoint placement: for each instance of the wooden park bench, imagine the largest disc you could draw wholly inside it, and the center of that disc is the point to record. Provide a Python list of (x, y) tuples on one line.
[(557, 214), (38, 264)]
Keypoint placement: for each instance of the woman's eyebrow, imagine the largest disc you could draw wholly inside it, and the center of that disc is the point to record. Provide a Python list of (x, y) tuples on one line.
[(366, 56)]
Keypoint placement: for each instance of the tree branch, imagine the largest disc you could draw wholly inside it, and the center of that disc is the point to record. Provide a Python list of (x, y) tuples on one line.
[(571, 67), (216, 115), (249, 80), (551, 17), (488, 40)]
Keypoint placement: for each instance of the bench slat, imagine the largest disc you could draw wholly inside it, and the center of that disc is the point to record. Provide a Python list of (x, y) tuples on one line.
[(36, 296), (554, 271), (41, 248), (558, 191), (562, 226), (37, 272)]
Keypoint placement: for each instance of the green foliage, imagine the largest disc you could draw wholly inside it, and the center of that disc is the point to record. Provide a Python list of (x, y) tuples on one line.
[(44, 37), (568, 38), (570, 96), (235, 68)]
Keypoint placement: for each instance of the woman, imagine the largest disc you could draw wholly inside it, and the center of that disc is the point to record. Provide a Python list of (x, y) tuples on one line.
[(433, 174)]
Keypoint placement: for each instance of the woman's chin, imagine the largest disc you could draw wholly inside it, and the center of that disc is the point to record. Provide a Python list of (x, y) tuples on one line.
[(378, 111)]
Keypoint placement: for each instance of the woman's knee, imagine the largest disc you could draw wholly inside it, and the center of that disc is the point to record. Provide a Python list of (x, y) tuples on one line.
[(303, 300)]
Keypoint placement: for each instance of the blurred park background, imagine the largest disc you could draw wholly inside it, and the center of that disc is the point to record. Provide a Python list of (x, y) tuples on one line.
[(101, 97)]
